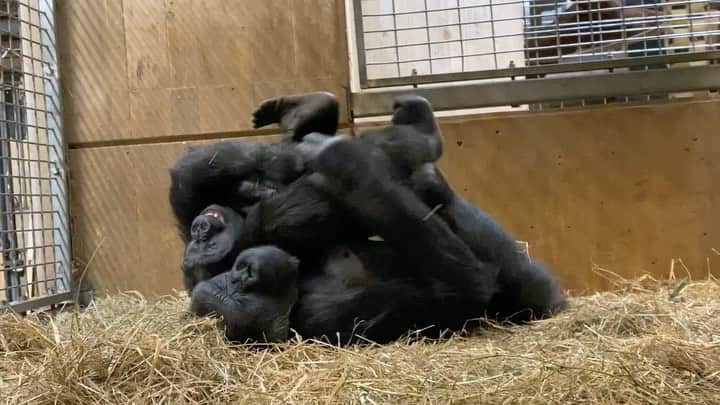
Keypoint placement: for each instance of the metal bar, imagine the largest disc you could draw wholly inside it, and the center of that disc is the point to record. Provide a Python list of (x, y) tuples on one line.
[(33, 229), (542, 69), (56, 152), (32, 248), (35, 303), (445, 98), (360, 42), (616, 8), (43, 281), (7, 221)]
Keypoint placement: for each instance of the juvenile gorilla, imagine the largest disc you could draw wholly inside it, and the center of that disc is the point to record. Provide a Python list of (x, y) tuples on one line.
[(422, 277)]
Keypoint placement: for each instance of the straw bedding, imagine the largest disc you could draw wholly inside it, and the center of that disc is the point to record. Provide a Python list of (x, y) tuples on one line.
[(646, 342)]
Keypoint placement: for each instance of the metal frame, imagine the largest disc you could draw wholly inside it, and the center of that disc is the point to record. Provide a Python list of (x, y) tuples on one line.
[(58, 187), (59, 288), (619, 62), (369, 104), (628, 62), (41, 302), (522, 85)]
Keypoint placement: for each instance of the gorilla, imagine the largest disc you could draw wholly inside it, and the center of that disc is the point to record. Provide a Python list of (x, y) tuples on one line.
[(260, 181), (423, 276), (254, 298), (441, 261)]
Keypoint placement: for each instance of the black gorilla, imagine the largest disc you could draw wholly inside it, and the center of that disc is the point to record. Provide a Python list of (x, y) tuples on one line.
[(431, 270), (423, 276), (254, 298), (267, 184)]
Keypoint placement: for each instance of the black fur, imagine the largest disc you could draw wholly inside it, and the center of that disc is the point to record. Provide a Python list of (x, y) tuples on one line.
[(442, 260), (255, 298)]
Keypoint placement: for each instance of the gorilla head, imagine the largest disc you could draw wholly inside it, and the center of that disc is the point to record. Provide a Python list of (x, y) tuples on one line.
[(254, 298), (213, 244)]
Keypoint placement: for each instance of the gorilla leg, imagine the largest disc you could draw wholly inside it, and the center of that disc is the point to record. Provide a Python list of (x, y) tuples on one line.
[(438, 283), (526, 290), (414, 137)]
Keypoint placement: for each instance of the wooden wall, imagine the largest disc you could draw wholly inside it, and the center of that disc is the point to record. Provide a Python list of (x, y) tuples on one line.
[(627, 189), (139, 75), (624, 188), (139, 70)]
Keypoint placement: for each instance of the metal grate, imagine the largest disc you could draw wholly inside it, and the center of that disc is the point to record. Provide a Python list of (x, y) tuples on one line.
[(404, 42), (33, 204)]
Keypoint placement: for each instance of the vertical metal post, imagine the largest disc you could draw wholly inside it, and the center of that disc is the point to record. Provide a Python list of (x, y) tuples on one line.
[(360, 42), (7, 222), (56, 155)]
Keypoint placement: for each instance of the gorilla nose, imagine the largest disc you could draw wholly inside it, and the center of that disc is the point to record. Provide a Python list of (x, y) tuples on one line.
[(201, 228), (204, 225)]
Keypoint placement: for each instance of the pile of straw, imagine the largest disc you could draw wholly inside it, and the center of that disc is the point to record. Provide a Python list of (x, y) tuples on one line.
[(647, 342)]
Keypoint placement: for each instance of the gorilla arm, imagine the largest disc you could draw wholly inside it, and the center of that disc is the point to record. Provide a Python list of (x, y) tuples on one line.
[(229, 173), (300, 114)]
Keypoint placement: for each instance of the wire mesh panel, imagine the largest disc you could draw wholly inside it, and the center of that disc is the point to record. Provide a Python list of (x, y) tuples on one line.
[(33, 207), (425, 41)]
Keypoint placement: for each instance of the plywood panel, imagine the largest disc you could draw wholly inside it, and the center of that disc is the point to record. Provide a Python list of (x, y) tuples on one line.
[(121, 216), (138, 69), (148, 56), (320, 38), (627, 189), (93, 66)]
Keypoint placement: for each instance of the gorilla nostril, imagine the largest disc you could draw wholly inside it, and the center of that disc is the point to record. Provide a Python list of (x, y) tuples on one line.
[(204, 225)]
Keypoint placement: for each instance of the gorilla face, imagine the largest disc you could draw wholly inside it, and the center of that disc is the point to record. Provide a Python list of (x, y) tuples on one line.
[(266, 269), (255, 298), (212, 236), (213, 244)]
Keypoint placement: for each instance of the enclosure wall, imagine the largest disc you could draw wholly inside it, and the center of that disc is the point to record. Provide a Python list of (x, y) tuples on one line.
[(627, 189), (138, 70)]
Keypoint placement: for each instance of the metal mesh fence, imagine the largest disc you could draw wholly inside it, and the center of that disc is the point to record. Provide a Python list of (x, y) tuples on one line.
[(33, 203), (404, 42)]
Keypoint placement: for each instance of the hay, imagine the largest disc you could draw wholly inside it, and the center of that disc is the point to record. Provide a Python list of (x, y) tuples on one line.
[(648, 342)]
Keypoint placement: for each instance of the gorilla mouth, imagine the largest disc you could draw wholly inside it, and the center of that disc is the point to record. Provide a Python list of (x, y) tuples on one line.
[(211, 212)]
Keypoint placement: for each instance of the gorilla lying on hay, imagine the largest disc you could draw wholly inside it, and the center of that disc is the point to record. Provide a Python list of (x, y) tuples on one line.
[(267, 185), (283, 239)]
